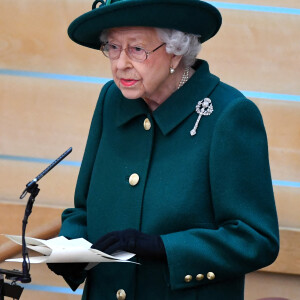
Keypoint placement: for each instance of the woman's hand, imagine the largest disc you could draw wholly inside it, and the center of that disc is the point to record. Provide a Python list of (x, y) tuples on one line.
[(67, 269), (130, 240)]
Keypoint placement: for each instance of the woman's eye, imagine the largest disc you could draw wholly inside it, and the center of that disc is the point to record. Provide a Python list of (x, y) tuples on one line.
[(137, 49), (113, 47)]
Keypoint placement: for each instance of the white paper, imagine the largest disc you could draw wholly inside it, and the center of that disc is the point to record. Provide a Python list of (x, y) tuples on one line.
[(62, 250)]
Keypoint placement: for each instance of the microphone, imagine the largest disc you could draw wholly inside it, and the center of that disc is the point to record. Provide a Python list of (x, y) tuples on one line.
[(32, 188), (31, 183)]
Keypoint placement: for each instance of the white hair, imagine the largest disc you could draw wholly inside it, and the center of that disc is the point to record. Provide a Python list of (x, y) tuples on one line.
[(177, 42), (104, 36), (180, 43)]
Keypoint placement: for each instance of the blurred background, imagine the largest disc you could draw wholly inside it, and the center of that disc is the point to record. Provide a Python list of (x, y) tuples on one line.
[(48, 90)]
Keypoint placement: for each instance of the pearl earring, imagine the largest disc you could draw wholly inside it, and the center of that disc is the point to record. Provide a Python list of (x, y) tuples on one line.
[(172, 70)]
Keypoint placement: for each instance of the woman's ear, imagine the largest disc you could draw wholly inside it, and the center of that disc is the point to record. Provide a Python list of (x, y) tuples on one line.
[(175, 60)]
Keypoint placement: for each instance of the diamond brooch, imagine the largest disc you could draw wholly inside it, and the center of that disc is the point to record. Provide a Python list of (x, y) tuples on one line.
[(203, 108)]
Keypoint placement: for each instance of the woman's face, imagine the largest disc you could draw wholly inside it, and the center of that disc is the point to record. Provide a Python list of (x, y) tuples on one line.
[(149, 79)]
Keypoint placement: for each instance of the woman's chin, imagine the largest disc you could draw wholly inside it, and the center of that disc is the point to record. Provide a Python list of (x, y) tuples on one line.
[(131, 94)]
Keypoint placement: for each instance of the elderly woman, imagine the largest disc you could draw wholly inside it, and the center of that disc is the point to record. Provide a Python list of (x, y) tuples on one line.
[(176, 164)]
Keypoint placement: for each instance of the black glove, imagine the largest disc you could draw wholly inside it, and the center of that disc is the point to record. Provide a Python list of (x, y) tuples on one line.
[(130, 240), (67, 269)]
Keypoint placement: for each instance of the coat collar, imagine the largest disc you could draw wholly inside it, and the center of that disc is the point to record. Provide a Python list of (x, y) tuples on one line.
[(178, 106), (128, 109)]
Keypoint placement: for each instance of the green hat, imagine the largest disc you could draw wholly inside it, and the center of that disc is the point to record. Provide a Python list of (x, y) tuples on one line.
[(191, 16)]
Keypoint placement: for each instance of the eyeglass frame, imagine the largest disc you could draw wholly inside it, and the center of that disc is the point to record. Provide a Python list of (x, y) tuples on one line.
[(126, 51)]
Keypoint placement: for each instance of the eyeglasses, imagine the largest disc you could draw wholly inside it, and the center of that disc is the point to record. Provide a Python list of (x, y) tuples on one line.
[(138, 54)]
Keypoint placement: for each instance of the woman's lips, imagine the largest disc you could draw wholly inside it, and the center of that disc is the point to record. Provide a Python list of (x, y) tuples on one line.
[(128, 82)]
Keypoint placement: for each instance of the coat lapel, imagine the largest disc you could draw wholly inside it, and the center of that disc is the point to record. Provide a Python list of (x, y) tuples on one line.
[(182, 103)]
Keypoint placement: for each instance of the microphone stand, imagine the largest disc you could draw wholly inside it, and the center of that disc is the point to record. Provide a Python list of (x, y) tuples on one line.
[(13, 290)]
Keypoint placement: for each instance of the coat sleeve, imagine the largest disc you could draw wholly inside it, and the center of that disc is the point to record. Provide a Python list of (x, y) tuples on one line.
[(74, 219), (246, 237)]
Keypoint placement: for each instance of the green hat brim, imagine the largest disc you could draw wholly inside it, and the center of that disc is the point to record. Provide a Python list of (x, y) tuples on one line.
[(191, 16)]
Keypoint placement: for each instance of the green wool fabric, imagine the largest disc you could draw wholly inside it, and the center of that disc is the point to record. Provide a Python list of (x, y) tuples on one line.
[(208, 196)]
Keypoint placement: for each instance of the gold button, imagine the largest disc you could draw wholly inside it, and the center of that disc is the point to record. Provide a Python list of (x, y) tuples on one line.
[(121, 295), (188, 278), (199, 277), (134, 179), (211, 276), (147, 124)]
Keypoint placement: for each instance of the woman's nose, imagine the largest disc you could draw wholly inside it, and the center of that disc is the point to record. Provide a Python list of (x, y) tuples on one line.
[(123, 61)]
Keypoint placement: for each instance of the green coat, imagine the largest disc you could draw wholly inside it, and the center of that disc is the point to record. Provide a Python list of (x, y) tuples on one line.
[(209, 196)]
